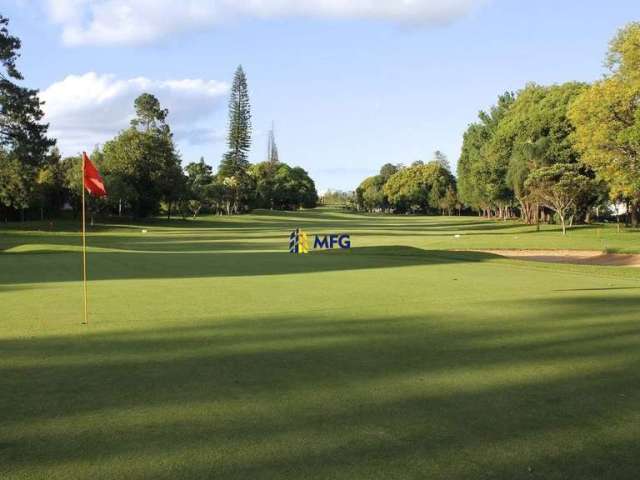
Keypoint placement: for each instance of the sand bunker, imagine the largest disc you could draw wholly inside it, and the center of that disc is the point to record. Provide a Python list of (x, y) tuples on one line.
[(577, 257)]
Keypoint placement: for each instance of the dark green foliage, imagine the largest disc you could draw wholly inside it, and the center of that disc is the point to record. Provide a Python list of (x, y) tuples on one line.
[(419, 188), (149, 113), (521, 134), (145, 161), (15, 182), (388, 169), (23, 139), (279, 186), (234, 162), (424, 188), (481, 179), (370, 194)]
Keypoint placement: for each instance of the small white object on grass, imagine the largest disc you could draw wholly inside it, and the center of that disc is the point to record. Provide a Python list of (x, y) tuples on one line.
[(456, 236), (144, 231)]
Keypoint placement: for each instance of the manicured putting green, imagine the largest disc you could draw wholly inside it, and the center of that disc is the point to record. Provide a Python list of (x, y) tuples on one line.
[(213, 353)]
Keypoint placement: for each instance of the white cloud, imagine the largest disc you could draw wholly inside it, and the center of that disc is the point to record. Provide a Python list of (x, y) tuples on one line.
[(126, 22), (84, 110)]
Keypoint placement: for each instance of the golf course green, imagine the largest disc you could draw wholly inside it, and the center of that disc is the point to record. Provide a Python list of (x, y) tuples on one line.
[(213, 353)]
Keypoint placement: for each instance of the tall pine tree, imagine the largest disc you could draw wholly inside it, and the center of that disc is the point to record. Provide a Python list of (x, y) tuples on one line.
[(234, 162)]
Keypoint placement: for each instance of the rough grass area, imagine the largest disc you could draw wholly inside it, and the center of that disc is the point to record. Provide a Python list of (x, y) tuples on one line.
[(213, 353)]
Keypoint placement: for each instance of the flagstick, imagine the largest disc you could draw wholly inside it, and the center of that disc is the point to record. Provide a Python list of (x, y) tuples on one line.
[(84, 249)]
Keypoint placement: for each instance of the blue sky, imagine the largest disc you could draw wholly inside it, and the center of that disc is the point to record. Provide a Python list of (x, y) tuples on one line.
[(350, 84)]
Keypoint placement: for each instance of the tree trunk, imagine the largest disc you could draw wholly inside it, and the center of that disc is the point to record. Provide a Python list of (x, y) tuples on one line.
[(627, 216), (634, 214)]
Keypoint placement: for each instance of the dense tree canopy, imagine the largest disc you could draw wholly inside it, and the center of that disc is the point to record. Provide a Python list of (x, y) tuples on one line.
[(145, 159), (419, 188), (481, 179), (607, 120), (23, 142)]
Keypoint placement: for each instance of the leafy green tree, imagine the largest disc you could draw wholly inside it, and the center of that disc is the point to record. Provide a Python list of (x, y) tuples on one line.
[(198, 183), (280, 186), (607, 120), (526, 158), (481, 173), (388, 169), (48, 191), (293, 188), (264, 174), (370, 194), (147, 162), (231, 195), (216, 195), (419, 188), (15, 183), (23, 139), (71, 171), (450, 200), (535, 132), (21, 130), (122, 195), (559, 187), (149, 113)]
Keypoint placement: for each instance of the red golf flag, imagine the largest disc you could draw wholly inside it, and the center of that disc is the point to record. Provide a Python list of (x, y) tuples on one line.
[(92, 180)]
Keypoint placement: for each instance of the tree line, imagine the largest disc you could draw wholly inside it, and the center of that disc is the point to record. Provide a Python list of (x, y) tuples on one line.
[(562, 152), (141, 166), (419, 188)]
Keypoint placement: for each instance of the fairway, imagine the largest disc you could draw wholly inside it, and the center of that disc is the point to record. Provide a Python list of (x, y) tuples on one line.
[(214, 353)]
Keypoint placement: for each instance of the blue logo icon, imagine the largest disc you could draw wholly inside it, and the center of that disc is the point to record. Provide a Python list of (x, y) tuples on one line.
[(299, 241)]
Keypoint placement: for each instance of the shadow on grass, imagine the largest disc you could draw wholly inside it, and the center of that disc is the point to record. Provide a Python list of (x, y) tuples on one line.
[(380, 397), (27, 268)]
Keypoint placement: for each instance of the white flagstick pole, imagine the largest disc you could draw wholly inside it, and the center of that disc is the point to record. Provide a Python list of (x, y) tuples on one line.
[(84, 248)]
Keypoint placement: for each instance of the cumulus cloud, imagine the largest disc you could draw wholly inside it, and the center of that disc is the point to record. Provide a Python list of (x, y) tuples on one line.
[(84, 110), (126, 22)]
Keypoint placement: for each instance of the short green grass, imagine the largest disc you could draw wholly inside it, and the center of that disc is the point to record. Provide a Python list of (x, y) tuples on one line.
[(213, 353)]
